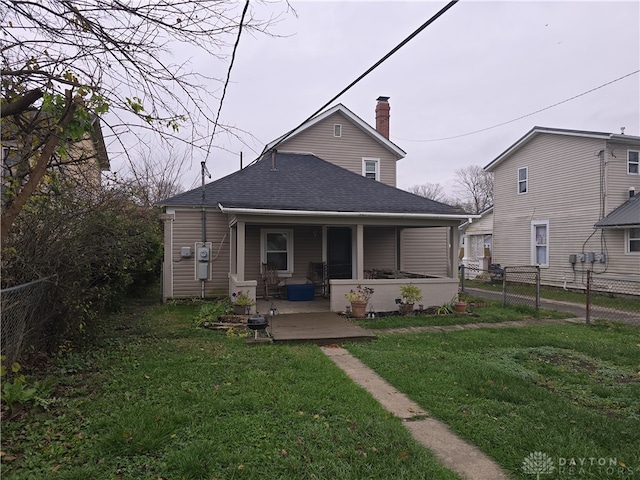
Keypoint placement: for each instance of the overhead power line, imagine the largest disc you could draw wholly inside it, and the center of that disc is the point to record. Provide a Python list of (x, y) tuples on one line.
[(374, 66), (226, 82), (522, 116)]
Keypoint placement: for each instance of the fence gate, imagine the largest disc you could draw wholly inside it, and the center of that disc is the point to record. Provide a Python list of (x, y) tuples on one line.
[(521, 286)]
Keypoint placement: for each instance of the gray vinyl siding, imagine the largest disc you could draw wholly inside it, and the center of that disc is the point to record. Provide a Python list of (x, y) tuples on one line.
[(187, 230), (307, 247), (618, 181), (425, 251), (347, 151), (380, 250), (564, 189)]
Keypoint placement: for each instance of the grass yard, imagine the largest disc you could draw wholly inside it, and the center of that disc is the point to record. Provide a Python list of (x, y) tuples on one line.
[(621, 302), (160, 399), (486, 312), (568, 391)]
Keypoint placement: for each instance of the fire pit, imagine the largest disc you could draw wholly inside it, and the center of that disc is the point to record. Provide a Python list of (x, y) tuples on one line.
[(258, 323)]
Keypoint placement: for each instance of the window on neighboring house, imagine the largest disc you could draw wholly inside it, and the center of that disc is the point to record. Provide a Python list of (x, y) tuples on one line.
[(633, 162), (540, 243), (337, 130), (277, 247), (371, 168), (523, 180), (633, 240)]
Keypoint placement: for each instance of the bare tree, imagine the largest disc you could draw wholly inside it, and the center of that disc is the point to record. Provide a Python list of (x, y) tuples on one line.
[(65, 62), (434, 191), (475, 187), (152, 177)]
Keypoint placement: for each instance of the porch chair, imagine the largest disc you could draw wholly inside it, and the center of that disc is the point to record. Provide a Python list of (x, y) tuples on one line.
[(318, 276), (270, 279)]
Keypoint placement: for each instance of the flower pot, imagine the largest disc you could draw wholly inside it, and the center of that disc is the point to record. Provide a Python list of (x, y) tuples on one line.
[(358, 309), (460, 307), (406, 308), (240, 309)]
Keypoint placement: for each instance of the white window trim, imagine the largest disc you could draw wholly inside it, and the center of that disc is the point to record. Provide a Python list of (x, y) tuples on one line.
[(526, 181), (629, 162), (337, 130), (263, 247), (627, 242), (364, 166), (534, 257)]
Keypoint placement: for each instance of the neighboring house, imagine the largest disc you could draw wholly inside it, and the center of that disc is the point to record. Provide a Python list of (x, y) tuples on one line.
[(477, 239), (84, 161), (562, 201), (324, 193)]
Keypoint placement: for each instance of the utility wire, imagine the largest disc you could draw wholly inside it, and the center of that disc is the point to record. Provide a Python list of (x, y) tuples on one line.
[(226, 82), (523, 116), (372, 68)]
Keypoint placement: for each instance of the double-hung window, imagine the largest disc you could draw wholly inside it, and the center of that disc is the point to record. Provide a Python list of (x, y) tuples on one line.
[(633, 162), (540, 242), (523, 180), (633, 240), (277, 248), (371, 168)]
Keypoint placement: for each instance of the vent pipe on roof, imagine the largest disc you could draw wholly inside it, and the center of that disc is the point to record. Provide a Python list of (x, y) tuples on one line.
[(382, 116), (621, 130)]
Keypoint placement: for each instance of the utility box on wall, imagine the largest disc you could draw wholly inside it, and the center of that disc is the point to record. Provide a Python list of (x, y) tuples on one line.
[(203, 257)]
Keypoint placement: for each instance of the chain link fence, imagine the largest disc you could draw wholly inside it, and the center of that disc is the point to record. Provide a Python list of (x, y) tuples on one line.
[(24, 316), (613, 297), (516, 285), (601, 296)]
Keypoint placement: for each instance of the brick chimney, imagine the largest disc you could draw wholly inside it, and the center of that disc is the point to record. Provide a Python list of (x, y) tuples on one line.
[(382, 116)]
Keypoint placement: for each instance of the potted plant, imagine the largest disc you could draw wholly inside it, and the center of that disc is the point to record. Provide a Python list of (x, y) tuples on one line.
[(460, 305), (409, 294), (242, 302), (359, 299)]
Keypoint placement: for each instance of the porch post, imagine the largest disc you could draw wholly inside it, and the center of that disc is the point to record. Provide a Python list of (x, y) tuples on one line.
[(233, 249), (359, 251), (454, 236), (167, 263), (240, 250)]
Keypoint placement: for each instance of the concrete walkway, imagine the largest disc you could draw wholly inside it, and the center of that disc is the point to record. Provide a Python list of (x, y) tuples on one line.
[(454, 453)]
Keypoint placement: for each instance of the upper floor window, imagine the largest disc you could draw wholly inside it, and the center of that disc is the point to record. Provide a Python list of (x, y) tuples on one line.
[(633, 240), (540, 243), (633, 162), (371, 168), (337, 130), (277, 248), (523, 180)]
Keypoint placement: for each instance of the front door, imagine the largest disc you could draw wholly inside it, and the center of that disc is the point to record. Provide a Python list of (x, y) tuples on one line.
[(339, 252)]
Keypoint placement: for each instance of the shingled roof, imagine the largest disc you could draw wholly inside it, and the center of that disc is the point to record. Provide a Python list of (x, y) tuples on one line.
[(625, 216), (304, 182)]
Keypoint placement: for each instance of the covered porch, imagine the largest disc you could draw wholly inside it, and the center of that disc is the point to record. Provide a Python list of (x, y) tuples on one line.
[(351, 248)]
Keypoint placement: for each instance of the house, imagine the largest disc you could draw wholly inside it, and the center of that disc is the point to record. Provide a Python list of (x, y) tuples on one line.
[(324, 194), (477, 239), (84, 162), (562, 201)]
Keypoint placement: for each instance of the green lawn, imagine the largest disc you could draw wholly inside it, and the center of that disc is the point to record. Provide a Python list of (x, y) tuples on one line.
[(159, 399), (569, 391)]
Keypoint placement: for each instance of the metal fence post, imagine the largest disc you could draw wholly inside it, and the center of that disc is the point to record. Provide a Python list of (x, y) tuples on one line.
[(504, 286), (537, 289), (588, 297)]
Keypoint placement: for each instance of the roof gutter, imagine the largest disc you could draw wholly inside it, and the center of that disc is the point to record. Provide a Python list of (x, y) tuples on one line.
[(309, 213)]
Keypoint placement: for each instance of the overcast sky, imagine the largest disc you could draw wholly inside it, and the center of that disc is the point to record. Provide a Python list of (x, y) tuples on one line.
[(479, 65)]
